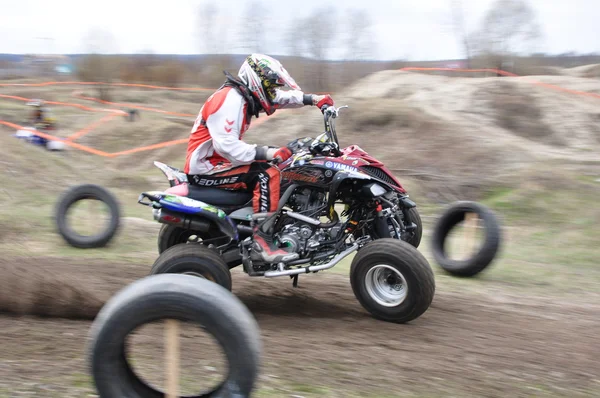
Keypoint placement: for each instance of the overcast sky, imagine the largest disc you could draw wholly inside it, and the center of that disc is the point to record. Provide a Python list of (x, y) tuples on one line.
[(413, 29)]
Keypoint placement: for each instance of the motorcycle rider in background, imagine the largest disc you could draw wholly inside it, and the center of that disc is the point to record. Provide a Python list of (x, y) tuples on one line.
[(217, 156), (40, 117)]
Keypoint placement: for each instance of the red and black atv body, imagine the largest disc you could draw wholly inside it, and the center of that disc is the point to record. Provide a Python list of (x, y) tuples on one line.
[(320, 170)]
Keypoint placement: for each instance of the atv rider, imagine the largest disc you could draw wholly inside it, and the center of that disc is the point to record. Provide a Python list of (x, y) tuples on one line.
[(217, 156), (41, 117)]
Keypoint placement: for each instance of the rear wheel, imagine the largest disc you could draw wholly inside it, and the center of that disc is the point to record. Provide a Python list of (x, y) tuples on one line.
[(392, 280), (171, 235), (195, 260)]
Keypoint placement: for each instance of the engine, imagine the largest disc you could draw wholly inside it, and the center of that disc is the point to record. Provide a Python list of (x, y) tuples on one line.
[(301, 238), (307, 201)]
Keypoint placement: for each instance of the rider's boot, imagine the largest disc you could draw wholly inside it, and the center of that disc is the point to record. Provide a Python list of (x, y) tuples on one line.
[(264, 249)]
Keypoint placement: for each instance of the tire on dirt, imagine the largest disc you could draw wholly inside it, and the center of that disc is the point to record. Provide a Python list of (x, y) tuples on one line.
[(453, 215), (82, 192), (197, 260), (415, 217), (409, 262), (179, 297)]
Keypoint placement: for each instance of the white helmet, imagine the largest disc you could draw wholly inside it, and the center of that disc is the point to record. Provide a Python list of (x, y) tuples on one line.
[(262, 74)]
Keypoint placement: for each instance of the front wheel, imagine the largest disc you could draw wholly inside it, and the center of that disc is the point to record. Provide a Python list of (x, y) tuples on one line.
[(385, 228), (413, 236), (392, 280)]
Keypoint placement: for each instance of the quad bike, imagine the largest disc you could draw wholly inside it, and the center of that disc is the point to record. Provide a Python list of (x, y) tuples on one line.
[(389, 277), (45, 126), (311, 171)]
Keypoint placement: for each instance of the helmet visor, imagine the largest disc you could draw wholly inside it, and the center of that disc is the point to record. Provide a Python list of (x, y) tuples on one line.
[(275, 73)]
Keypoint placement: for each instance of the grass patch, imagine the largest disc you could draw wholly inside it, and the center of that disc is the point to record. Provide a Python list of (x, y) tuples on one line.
[(82, 380)]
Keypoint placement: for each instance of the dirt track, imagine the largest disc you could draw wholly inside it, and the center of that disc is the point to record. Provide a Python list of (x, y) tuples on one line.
[(466, 344)]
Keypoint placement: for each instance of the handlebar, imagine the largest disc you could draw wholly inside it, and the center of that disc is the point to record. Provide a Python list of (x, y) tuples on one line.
[(332, 110), (330, 113)]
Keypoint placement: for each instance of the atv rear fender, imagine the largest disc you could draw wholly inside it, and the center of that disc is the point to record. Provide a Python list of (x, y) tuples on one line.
[(175, 176), (191, 208)]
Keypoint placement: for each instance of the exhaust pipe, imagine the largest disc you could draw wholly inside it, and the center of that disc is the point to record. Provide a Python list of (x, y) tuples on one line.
[(314, 268), (181, 220), (196, 224)]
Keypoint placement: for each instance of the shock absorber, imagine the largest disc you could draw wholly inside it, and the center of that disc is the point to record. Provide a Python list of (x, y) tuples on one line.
[(381, 223), (351, 226), (353, 220)]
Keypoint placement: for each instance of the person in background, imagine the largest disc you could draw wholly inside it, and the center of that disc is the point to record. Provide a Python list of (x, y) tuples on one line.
[(41, 116)]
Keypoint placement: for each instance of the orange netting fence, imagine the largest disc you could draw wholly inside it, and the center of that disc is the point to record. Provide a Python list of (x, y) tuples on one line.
[(69, 141)]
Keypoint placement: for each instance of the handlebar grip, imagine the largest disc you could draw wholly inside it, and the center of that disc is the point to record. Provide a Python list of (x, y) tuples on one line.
[(324, 107)]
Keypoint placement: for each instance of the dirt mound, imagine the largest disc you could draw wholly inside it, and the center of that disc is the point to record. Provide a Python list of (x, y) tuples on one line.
[(587, 71), (516, 110), (31, 292), (55, 287), (457, 135)]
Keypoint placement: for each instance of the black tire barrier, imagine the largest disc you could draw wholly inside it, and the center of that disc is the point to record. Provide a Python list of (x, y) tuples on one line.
[(83, 192), (183, 298), (390, 265), (452, 216), (194, 259)]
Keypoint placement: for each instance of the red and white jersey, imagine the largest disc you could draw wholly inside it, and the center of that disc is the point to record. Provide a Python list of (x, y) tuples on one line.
[(219, 140)]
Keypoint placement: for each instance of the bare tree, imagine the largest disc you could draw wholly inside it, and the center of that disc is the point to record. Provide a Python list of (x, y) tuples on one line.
[(252, 27), (213, 37), (207, 34), (359, 36), (458, 23), (508, 28), (320, 31), (312, 36), (99, 66), (295, 40), (222, 44)]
